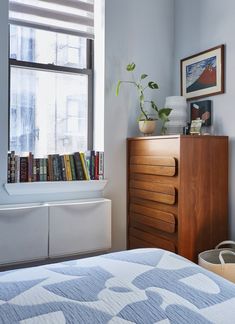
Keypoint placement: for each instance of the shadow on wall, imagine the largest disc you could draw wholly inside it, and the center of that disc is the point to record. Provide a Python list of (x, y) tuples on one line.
[(231, 179)]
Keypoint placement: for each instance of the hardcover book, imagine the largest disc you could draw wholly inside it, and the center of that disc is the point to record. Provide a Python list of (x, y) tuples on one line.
[(78, 167)]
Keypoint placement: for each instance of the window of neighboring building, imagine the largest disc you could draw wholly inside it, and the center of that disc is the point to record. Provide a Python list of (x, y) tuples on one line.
[(51, 78)]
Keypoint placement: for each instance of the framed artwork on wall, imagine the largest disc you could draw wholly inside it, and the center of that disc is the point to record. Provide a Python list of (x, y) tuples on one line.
[(202, 74), (202, 110)]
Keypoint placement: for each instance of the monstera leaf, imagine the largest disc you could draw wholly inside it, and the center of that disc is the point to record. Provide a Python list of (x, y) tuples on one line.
[(130, 67), (163, 114), (143, 76), (152, 85)]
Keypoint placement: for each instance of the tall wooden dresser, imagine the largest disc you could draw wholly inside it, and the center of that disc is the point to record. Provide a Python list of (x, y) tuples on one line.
[(177, 192)]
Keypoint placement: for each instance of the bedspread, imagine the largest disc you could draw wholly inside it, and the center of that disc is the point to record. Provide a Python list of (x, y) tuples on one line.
[(137, 286)]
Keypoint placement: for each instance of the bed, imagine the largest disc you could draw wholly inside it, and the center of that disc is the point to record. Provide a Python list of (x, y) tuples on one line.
[(138, 286)]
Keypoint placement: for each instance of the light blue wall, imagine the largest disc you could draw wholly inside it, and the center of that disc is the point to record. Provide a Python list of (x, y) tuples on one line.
[(139, 31), (200, 25)]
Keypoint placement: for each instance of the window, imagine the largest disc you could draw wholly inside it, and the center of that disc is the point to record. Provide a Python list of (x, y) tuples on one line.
[(51, 76)]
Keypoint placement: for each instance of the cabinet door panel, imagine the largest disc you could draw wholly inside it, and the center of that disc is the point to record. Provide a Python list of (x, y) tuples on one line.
[(24, 234), (80, 227)]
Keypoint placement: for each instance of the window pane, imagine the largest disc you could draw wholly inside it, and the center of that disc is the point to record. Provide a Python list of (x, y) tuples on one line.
[(40, 46), (48, 112)]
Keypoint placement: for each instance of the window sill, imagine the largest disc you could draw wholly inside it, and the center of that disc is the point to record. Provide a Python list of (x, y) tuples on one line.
[(50, 187)]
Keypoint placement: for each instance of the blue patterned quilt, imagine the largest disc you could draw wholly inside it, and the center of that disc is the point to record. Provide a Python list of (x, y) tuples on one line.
[(140, 286)]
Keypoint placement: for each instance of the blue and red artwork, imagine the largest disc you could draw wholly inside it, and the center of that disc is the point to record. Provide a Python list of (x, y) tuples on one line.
[(201, 75)]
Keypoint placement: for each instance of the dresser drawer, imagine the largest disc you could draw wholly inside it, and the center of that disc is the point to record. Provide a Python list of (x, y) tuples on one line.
[(152, 240), (169, 147), (152, 217), (164, 166), (153, 191), (135, 243)]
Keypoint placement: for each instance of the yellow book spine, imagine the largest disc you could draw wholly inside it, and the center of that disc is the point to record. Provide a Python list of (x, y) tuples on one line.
[(84, 166), (68, 168)]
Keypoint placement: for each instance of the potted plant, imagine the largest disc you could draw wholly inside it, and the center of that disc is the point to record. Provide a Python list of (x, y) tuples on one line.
[(147, 122)]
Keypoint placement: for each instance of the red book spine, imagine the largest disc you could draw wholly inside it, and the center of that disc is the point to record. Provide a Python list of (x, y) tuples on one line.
[(97, 166), (30, 167)]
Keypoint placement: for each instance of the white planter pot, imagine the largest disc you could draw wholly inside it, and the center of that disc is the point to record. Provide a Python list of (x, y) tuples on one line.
[(147, 127)]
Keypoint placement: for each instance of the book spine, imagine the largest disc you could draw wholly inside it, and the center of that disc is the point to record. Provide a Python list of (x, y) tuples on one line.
[(57, 176), (54, 171), (71, 157), (63, 167), (37, 169), (30, 167), (9, 167), (68, 168), (97, 166), (92, 166), (34, 170), (84, 165), (101, 166), (78, 166), (50, 168), (41, 168), (17, 168), (87, 156), (12, 167), (44, 169), (60, 171), (23, 169)]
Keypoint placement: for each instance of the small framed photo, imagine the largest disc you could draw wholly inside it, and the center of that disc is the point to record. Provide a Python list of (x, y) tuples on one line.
[(196, 126), (202, 74)]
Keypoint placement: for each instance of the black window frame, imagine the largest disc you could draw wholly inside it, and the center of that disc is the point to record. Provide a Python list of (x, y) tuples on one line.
[(89, 71)]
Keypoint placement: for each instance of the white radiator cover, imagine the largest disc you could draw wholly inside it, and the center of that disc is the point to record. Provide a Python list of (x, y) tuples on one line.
[(79, 227), (23, 233), (40, 231)]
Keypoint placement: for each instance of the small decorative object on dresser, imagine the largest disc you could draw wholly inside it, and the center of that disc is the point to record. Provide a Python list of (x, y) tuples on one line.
[(177, 193), (202, 74), (147, 121), (178, 118), (196, 126)]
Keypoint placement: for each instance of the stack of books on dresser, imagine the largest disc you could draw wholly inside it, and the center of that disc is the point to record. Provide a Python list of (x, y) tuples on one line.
[(55, 167)]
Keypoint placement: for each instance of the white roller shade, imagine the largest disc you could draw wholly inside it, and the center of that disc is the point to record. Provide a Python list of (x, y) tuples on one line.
[(67, 16)]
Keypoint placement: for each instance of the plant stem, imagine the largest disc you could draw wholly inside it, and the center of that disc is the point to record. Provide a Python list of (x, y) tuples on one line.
[(143, 112)]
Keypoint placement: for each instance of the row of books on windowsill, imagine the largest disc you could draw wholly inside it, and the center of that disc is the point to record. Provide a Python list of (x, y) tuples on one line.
[(67, 167)]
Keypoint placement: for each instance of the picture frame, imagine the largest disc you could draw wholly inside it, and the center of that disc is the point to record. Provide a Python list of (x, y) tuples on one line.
[(195, 128), (202, 74), (203, 110)]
